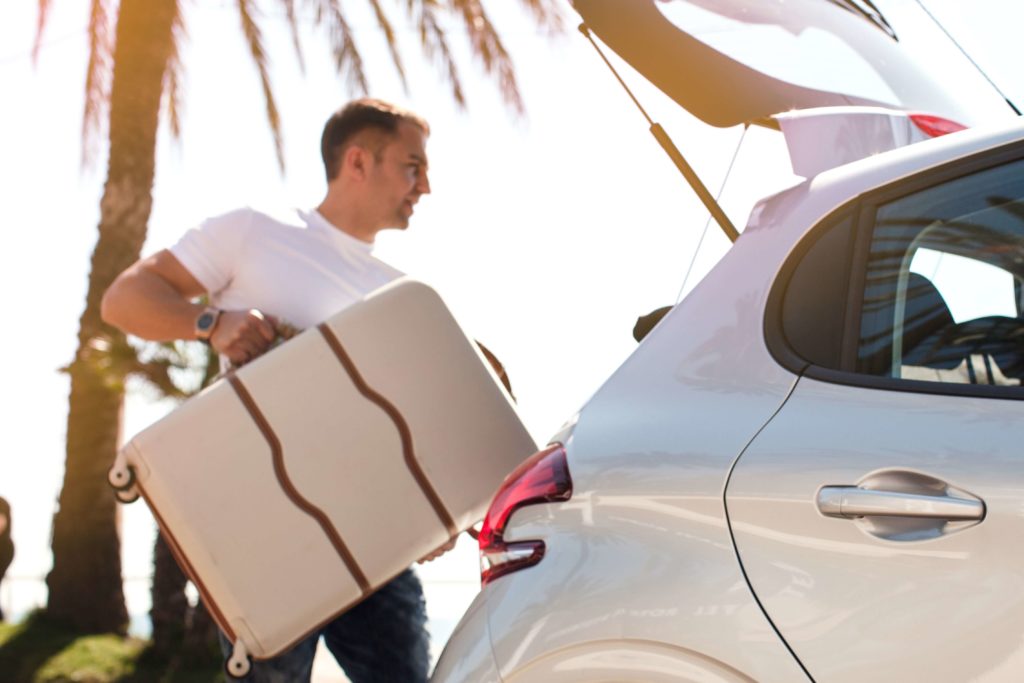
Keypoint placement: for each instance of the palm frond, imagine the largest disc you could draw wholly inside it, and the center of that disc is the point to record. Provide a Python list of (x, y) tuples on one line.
[(171, 368), (389, 36), (174, 369), (546, 14), (158, 373), (44, 14), (293, 27), (487, 46), (98, 76), (254, 37), (174, 76), (435, 46), (347, 58)]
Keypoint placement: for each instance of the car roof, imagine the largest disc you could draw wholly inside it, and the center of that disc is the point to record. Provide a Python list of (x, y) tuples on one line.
[(682, 47), (830, 189)]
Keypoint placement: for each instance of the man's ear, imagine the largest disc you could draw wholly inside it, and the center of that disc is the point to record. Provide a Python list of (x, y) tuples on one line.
[(355, 161)]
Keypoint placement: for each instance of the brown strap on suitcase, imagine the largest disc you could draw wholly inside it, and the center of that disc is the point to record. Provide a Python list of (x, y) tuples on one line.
[(292, 492), (301, 502), (403, 429)]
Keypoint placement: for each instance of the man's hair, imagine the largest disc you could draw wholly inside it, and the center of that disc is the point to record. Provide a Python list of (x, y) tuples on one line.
[(354, 118)]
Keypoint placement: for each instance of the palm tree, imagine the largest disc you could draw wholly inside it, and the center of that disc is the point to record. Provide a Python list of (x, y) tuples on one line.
[(141, 64)]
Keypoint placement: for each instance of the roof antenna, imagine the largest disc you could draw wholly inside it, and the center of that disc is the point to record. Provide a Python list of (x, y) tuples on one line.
[(969, 59), (673, 152)]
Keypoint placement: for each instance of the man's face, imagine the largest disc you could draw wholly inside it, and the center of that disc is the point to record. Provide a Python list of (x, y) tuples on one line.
[(398, 176)]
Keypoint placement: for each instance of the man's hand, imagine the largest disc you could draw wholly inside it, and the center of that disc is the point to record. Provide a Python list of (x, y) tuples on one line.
[(242, 335), (439, 552)]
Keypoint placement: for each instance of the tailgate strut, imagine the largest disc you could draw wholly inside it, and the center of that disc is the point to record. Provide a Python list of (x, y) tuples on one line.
[(673, 152)]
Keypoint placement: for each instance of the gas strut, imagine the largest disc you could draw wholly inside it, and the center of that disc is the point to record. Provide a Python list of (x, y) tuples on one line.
[(673, 152)]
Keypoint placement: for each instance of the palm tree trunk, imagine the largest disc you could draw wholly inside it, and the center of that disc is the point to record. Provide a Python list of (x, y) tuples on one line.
[(170, 605), (85, 588)]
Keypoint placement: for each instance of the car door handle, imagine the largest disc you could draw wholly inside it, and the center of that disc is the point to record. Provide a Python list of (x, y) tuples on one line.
[(850, 502)]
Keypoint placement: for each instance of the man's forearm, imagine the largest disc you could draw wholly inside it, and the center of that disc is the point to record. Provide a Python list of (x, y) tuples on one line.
[(142, 303), (153, 300)]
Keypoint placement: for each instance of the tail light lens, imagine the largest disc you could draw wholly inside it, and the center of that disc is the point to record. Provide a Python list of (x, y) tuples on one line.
[(935, 126), (543, 478)]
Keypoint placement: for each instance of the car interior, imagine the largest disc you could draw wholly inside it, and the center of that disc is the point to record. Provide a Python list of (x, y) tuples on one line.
[(938, 346)]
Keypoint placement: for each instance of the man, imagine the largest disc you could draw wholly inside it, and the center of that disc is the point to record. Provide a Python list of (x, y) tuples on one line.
[(266, 274)]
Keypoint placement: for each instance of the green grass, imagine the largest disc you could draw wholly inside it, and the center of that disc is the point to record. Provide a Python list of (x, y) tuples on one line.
[(37, 651)]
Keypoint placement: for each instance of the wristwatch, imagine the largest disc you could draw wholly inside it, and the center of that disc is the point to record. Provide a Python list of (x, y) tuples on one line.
[(206, 322)]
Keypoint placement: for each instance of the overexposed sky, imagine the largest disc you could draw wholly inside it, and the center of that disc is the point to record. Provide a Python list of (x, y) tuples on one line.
[(546, 236)]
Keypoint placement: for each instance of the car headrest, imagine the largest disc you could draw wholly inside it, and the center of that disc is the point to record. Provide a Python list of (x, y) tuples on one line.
[(926, 311)]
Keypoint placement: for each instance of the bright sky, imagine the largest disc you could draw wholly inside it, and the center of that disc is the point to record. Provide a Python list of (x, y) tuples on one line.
[(547, 237)]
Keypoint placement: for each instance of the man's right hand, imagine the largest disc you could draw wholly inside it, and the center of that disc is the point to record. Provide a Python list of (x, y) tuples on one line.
[(242, 335)]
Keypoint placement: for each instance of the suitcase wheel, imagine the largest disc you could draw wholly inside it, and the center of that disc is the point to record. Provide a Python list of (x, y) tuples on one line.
[(127, 496), (121, 478), (239, 664)]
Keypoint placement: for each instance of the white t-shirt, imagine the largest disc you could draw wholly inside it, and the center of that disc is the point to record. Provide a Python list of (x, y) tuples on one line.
[(296, 267)]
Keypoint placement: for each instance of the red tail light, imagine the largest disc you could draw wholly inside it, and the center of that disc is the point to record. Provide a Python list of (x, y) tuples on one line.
[(543, 478), (935, 125)]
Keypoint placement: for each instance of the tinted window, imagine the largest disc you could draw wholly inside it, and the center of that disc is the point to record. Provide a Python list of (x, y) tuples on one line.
[(942, 294)]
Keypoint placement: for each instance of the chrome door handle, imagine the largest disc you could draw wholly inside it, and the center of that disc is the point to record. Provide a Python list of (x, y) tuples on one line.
[(850, 502)]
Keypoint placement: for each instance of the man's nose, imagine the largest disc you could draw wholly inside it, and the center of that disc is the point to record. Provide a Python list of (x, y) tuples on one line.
[(422, 182)]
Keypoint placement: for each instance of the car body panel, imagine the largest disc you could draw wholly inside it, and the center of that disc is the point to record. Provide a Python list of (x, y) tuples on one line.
[(945, 608), (475, 659), (626, 661), (682, 589)]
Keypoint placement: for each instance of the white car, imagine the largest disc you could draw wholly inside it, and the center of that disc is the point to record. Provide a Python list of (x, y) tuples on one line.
[(813, 467)]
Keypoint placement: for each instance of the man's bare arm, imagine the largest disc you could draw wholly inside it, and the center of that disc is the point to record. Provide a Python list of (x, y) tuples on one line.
[(152, 299)]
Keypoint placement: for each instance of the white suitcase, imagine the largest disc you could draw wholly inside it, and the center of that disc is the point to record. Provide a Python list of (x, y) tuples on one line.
[(293, 487)]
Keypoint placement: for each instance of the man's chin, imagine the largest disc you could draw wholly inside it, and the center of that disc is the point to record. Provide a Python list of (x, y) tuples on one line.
[(398, 224)]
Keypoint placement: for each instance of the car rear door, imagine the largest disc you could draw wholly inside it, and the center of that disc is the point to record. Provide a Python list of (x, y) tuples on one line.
[(879, 516)]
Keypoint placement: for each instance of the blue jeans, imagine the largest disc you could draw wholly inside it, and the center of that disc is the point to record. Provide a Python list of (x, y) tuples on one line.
[(383, 639)]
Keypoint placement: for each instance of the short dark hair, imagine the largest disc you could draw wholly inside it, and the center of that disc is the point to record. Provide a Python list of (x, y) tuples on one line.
[(354, 118)]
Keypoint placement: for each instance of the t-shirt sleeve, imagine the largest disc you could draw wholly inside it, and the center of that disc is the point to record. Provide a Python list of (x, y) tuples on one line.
[(210, 252)]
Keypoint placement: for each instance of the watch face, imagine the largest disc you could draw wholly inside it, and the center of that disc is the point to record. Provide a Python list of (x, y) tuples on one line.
[(205, 321)]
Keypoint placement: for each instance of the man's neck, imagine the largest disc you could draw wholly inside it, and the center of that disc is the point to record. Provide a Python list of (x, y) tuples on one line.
[(347, 219)]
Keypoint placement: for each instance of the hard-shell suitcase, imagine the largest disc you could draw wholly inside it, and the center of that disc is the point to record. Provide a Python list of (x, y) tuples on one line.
[(293, 487)]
